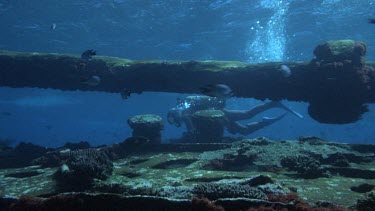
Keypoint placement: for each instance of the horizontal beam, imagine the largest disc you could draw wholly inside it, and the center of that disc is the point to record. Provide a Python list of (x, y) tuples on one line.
[(322, 86), (65, 72)]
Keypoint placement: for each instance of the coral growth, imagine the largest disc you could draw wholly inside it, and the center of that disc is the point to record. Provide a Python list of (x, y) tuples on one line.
[(339, 64), (50, 159), (283, 198), (84, 201), (298, 204), (312, 140), (21, 155), (362, 188), (232, 162), (338, 159), (81, 168), (307, 166), (214, 191), (58, 156), (368, 203)]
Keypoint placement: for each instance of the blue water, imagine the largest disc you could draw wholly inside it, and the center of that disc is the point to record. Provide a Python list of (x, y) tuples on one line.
[(248, 31)]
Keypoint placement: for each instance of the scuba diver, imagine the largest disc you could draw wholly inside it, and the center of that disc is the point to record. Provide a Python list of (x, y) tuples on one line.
[(182, 114)]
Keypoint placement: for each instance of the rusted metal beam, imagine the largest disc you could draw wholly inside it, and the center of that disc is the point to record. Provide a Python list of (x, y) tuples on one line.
[(64, 72), (337, 88)]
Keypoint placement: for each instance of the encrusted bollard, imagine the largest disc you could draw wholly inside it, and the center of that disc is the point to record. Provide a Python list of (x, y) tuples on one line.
[(209, 126), (339, 79), (341, 51), (148, 126)]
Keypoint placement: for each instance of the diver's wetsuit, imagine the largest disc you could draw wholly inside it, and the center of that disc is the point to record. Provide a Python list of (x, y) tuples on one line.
[(187, 107)]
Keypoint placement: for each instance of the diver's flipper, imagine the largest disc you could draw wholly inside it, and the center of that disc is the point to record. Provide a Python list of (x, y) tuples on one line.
[(281, 105), (296, 113), (272, 119)]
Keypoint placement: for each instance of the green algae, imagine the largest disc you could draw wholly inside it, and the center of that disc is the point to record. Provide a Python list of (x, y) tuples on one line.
[(341, 47), (144, 174), (115, 62), (34, 185), (145, 118)]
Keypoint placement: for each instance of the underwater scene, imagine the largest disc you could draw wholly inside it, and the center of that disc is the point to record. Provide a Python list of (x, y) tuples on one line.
[(187, 105)]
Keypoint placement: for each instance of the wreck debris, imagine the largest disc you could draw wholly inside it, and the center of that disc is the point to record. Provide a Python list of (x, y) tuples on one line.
[(208, 125), (337, 83), (148, 126)]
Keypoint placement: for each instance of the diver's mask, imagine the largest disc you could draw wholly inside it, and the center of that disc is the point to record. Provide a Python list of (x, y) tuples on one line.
[(174, 117)]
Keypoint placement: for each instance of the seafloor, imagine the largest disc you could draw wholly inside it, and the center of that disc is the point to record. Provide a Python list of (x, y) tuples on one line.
[(248, 174)]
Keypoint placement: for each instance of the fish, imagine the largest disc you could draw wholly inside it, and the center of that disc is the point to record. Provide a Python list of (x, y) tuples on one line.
[(285, 71), (53, 26), (371, 20), (217, 90), (125, 94), (88, 54), (91, 81)]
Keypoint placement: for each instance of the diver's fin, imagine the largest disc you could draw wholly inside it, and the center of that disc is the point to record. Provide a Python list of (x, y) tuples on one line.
[(296, 113), (281, 105), (273, 119)]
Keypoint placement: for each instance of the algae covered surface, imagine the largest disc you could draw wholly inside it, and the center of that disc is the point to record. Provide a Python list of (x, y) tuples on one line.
[(150, 170)]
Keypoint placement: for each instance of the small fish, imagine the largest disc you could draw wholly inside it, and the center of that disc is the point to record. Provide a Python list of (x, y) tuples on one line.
[(64, 169), (91, 81), (125, 94), (53, 26), (371, 20), (217, 90), (88, 54), (285, 71)]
